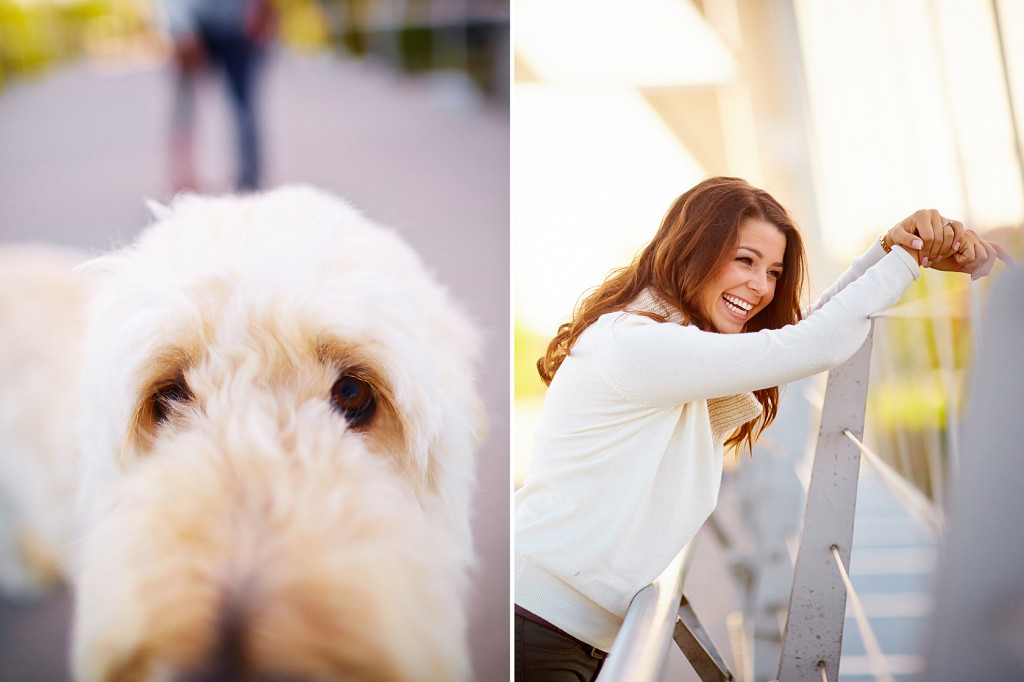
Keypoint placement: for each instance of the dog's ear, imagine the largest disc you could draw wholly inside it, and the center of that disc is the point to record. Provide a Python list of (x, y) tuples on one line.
[(157, 210)]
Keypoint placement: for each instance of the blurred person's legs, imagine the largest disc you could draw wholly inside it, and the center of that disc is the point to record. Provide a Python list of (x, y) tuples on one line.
[(189, 57), (240, 58), (181, 151)]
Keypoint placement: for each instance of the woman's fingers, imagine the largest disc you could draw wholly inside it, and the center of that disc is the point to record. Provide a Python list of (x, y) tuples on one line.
[(986, 259), (903, 234), (975, 257), (966, 252), (958, 236), (942, 243), (922, 225), (948, 238), (1003, 254), (952, 240)]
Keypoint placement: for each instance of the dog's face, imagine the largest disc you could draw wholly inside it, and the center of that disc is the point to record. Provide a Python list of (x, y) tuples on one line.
[(277, 426)]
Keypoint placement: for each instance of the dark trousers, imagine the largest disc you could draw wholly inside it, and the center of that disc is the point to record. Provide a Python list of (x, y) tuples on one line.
[(546, 655), (239, 56)]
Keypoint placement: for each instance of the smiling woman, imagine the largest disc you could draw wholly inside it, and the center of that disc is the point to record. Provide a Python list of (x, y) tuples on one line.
[(746, 284), (670, 361), (706, 246)]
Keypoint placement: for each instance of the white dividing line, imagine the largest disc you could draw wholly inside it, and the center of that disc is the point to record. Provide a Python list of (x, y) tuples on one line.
[(897, 604), (897, 664), (893, 560)]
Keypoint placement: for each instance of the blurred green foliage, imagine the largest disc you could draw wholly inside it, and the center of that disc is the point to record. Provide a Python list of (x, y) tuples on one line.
[(414, 38), (923, 353), (528, 348), (303, 25), (36, 35)]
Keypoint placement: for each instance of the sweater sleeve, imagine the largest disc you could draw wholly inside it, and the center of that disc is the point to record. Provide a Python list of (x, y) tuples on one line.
[(658, 364), (857, 268)]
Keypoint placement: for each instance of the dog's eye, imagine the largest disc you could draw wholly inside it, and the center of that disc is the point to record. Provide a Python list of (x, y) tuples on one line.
[(167, 397), (354, 399)]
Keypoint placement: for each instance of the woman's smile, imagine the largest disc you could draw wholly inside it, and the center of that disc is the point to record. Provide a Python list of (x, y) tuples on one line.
[(737, 306), (746, 283)]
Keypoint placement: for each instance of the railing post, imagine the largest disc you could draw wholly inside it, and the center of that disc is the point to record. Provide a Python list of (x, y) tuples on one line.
[(817, 604)]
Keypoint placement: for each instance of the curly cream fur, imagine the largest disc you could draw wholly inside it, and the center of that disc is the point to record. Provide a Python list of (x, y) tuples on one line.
[(254, 528)]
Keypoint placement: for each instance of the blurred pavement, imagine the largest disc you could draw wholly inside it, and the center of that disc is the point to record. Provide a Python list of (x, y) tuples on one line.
[(81, 147)]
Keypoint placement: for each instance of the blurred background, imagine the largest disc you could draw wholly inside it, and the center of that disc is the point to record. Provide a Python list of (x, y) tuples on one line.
[(853, 115), (401, 106)]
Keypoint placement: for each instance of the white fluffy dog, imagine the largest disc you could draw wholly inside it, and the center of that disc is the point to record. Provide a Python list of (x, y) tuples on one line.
[(274, 451)]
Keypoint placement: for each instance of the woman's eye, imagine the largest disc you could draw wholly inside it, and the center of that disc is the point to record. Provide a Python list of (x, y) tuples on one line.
[(775, 274), (746, 260), (354, 399), (166, 398)]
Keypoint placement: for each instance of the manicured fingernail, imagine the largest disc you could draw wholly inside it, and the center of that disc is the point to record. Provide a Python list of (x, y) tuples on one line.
[(924, 262), (917, 243), (956, 246)]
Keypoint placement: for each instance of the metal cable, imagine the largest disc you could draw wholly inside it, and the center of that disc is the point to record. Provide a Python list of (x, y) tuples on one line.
[(1009, 89), (912, 499), (874, 651)]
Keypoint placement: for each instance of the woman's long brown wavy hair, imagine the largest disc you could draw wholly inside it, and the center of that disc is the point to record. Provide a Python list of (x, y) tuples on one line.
[(697, 237)]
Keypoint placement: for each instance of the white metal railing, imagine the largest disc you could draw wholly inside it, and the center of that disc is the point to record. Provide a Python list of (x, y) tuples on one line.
[(879, 668), (647, 628), (912, 499), (812, 639)]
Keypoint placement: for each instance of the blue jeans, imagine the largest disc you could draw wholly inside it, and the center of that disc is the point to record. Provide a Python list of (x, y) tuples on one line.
[(240, 57)]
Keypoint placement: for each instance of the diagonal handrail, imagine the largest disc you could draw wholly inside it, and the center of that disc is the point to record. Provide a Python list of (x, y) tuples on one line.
[(639, 648)]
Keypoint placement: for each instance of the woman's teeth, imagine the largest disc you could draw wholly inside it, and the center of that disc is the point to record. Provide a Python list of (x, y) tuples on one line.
[(736, 305)]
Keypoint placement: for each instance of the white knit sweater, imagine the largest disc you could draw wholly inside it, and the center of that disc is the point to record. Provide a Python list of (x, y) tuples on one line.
[(625, 466)]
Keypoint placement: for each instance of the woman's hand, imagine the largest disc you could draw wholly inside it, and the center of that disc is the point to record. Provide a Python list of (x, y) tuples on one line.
[(928, 236), (975, 257), (944, 244)]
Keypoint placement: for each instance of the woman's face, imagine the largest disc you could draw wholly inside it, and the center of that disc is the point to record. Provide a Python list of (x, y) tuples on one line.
[(747, 282)]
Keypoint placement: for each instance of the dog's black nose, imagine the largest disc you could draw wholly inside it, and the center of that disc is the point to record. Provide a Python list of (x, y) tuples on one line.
[(223, 674), (228, 660)]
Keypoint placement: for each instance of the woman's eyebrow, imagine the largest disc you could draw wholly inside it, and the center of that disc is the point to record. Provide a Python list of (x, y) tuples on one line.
[(760, 255)]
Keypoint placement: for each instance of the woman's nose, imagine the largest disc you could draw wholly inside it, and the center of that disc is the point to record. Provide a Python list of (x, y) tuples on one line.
[(758, 281)]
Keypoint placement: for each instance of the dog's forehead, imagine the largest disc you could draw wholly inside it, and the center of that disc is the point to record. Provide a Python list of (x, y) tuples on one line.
[(297, 245), (291, 264), (285, 270), (364, 314), (282, 236)]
